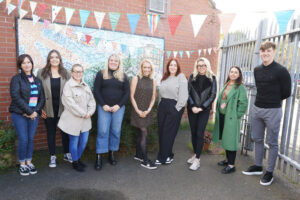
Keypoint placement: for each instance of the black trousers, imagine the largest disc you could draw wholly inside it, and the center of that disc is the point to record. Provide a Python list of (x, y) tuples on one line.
[(168, 124), (198, 124), (230, 155), (51, 124)]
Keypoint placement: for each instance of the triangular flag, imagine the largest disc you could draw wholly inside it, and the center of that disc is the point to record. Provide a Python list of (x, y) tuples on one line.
[(10, 8), (226, 21), (55, 11), (133, 20), (88, 38), (99, 18), (174, 20), (215, 49), (7, 3), (114, 19), (123, 48), (197, 21), (97, 40), (69, 13), (283, 18), (46, 23), (192, 52), (204, 51), (42, 7), (35, 19), (79, 35), (23, 13), (168, 54), (20, 2), (188, 53), (57, 28), (32, 6), (181, 54), (175, 53), (209, 51), (199, 52), (152, 22), (1, 1), (84, 14)]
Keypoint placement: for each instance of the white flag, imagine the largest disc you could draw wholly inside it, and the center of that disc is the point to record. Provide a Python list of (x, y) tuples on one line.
[(99, 18), (69, 13), (197, 21), (10, 8), (209, 50), (32, 6), (35, 19), (23, 13), (188, 53), (199, 52), (55, 11), (175, 53)]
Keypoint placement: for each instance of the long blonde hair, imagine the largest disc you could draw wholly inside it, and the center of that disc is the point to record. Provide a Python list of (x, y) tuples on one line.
[(140, 73), (118, 74), (209, 73)]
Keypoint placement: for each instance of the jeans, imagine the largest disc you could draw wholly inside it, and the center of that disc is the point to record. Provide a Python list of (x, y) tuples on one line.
[(25, 129), (78, 144), (109, 130)]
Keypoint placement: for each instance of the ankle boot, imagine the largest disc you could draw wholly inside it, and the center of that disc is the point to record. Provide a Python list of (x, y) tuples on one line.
[(111, 158), (77, 167), (98, 164)]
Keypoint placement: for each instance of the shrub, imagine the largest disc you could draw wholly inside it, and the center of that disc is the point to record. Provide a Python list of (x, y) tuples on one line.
[(7, 145)]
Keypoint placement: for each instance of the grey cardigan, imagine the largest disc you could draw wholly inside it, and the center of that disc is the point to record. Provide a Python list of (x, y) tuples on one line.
[(48, 108)]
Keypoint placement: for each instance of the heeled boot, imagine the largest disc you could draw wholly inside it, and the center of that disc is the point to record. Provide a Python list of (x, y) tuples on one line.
[(98, 164), (111, 158)]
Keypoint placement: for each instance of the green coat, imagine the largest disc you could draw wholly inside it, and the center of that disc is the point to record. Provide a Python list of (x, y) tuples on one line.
[(237, 104)]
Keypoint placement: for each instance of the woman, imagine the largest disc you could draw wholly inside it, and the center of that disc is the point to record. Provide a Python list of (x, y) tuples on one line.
[(54, 76), (202, 92), (173, 94), (231, 106), (142, 95), (111, 90), (27, 100), (79, 106)]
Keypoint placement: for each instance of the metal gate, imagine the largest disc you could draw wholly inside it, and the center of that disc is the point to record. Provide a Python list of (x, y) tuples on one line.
[(242, 49)]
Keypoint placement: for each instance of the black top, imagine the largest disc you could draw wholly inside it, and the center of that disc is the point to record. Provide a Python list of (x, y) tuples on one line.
[(20, 95), (273, 83), (55, 91), (111, 91)]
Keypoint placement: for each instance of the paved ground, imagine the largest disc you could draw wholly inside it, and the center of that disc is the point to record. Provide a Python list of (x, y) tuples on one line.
[(128, 180)]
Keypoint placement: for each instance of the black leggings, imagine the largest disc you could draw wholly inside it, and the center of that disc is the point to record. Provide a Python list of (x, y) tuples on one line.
[(230, 155), (141, 144)]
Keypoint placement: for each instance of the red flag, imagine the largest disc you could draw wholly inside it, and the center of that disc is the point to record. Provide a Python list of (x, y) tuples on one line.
[(174, 21), (88, 38), (41, 9)]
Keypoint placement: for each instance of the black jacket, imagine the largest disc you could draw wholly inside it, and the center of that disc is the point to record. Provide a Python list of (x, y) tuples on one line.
[(206, 97), (20, 95)]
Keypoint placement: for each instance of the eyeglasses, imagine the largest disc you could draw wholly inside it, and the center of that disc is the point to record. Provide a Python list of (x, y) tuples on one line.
[(201, 65), (77, 72)]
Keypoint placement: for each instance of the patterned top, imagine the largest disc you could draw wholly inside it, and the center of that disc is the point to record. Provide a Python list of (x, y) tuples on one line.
[(34, 93)]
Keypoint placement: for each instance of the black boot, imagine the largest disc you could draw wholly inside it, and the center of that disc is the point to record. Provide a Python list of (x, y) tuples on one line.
[(81, 163), (77, 167), (98, 164), (111, 158)]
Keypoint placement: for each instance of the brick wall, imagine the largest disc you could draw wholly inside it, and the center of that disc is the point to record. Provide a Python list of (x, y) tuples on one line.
[(183, 40)]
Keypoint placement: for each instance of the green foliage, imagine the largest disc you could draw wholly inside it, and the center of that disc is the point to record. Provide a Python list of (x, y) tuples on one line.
[(210, 126), (7, 138)]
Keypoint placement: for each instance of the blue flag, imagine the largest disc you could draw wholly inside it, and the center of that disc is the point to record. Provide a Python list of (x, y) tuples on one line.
[(283, 18), (84, 14), (133, 20)]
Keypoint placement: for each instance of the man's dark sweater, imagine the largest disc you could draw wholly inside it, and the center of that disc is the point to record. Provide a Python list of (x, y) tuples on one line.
[(273, 83), (111, 91)]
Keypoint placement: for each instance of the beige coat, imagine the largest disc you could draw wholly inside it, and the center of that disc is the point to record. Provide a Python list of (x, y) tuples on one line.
[(48, 107), (78, 100)]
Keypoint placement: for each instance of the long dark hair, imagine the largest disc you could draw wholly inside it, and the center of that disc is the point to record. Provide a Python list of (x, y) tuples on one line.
[(167, 72), (21, 59), (61, 70), (239, 80)]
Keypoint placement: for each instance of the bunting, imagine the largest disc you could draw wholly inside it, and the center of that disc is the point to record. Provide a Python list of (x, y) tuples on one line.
[(55, 11), (123, 48), (187, 53), (42, 7), (209, 51), (168, 54), (69, 13), (174, 21), (99, 18), (32, 6), (84, 14), (88, 38), (225, 21), (97, 40), (35, 19), (215, 49), (197, 21), (199, 52), (20, 2), (181, 54), (175, 53), (114, 19), (23, 13), (133, 20), (152, 22), (283, 18), (10, 8)]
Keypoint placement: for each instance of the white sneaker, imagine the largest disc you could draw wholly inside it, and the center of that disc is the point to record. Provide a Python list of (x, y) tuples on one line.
[(52, 161), (191, 159), (68, 157), (195, 165)]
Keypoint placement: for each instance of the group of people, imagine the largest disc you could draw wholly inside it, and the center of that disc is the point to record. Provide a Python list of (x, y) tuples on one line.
[(63, 99)]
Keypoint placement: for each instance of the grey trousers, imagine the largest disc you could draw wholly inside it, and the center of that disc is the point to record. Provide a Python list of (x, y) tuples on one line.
[(263, 118)]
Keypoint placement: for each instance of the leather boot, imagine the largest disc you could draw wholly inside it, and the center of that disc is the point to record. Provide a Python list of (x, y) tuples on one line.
[(98, 164), (77, 167), (111, 158)]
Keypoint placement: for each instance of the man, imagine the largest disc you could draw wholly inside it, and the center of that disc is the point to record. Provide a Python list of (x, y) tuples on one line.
[(273, 83)]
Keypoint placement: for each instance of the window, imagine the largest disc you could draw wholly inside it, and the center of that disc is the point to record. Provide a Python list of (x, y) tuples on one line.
[(160, 7)]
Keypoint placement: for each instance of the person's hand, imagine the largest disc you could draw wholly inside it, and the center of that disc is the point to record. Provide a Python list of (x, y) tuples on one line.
[(44, 115), (146, 112), (200, 110), (107, 108), (140, 113), (87, 116), (33, 115), (115, 108), (195, 110)]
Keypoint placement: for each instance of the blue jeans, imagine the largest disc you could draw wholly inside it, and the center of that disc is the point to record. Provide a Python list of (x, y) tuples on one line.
[(77, 145), (25, 129), (109, 130)]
